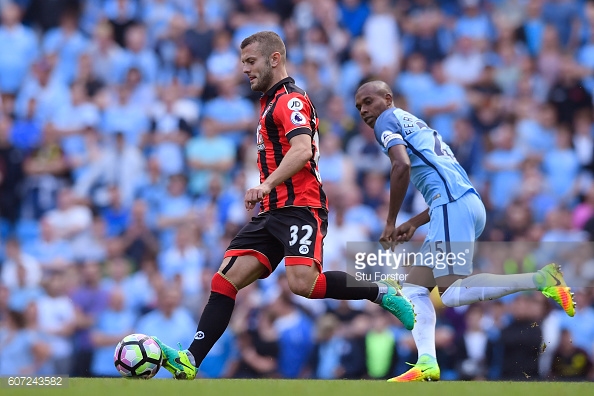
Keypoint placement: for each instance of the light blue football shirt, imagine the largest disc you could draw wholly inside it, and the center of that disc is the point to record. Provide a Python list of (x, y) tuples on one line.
[(434, 169)]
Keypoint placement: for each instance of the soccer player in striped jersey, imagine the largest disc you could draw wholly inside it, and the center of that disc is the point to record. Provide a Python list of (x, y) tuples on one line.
[(293, 214)]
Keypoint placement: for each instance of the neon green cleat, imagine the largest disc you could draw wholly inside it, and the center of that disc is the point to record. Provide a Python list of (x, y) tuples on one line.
[(426, 369), (397, 304), (549, 280), (179, 363)]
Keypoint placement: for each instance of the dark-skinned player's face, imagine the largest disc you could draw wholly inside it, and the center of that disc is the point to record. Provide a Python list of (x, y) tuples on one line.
[(371, 104), (257, 67)]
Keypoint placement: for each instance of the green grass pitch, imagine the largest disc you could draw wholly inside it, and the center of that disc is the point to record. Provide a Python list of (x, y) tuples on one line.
[(155, 387)]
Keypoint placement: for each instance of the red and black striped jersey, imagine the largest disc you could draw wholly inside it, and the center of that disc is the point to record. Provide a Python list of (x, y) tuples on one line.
[(286, 111)]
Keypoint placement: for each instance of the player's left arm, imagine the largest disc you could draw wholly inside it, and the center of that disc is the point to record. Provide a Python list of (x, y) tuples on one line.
[(294, 122), (405, 231)]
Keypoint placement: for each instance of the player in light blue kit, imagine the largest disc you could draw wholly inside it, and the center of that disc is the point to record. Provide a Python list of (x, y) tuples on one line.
[(456, 217)]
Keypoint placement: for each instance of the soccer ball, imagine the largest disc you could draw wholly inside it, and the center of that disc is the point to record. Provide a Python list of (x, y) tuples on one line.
[(138, 356)]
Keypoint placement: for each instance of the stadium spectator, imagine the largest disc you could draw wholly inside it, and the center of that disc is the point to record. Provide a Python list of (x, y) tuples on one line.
[(570, 362), (328, 349), (20, 270), (121, 165), (380, 347), (111, 325), (12, 173), (170, 321), (258, 346), (521, 340), (503, 167), (67, 43), (105, 52), (209, 154), (51, 251), (56, 317), (24, 49), (90, 301), (23, 350)]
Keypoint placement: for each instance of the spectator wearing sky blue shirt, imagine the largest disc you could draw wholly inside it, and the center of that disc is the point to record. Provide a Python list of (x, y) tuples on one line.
[(23, 349), (209, 154), (157, 14), (137, 54), (230, 114), (443, 103), (353, 70), (49, 92), (222, 61), (503, 167), (175, 209), (111, 326), (19, 49), (414, 82), (474, 23), (50, 251), (67, 43), (185, 260), (170, 322), (536, 135), (71, 119), (124, 116), (561, 166)]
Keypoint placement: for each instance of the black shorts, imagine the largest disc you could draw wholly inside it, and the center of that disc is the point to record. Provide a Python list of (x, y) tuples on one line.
[(293, 233)]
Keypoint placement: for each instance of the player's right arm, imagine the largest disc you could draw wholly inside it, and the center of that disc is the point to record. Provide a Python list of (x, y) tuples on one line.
[(295, 159), (388, 133), (399, 180), (294, 121)]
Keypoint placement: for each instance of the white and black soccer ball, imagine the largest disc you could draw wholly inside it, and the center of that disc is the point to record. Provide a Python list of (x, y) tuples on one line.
[(138, 356)]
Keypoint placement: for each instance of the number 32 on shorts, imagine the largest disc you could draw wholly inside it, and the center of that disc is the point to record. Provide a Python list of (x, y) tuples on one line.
[(307, 230)]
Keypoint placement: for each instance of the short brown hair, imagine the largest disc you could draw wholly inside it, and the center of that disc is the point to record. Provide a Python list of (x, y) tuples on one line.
[(270, 43)]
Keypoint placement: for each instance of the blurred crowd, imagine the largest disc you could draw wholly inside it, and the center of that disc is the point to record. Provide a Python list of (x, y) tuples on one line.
[(127, 141)]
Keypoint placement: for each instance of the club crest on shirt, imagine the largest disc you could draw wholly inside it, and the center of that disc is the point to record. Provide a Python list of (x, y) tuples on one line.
[(295, 104), (297, 118)]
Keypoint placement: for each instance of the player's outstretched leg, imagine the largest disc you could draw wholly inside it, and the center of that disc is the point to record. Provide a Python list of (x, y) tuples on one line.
[(393, 301), (549, 281), (339, 285), (180, 363), (426, 369)]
